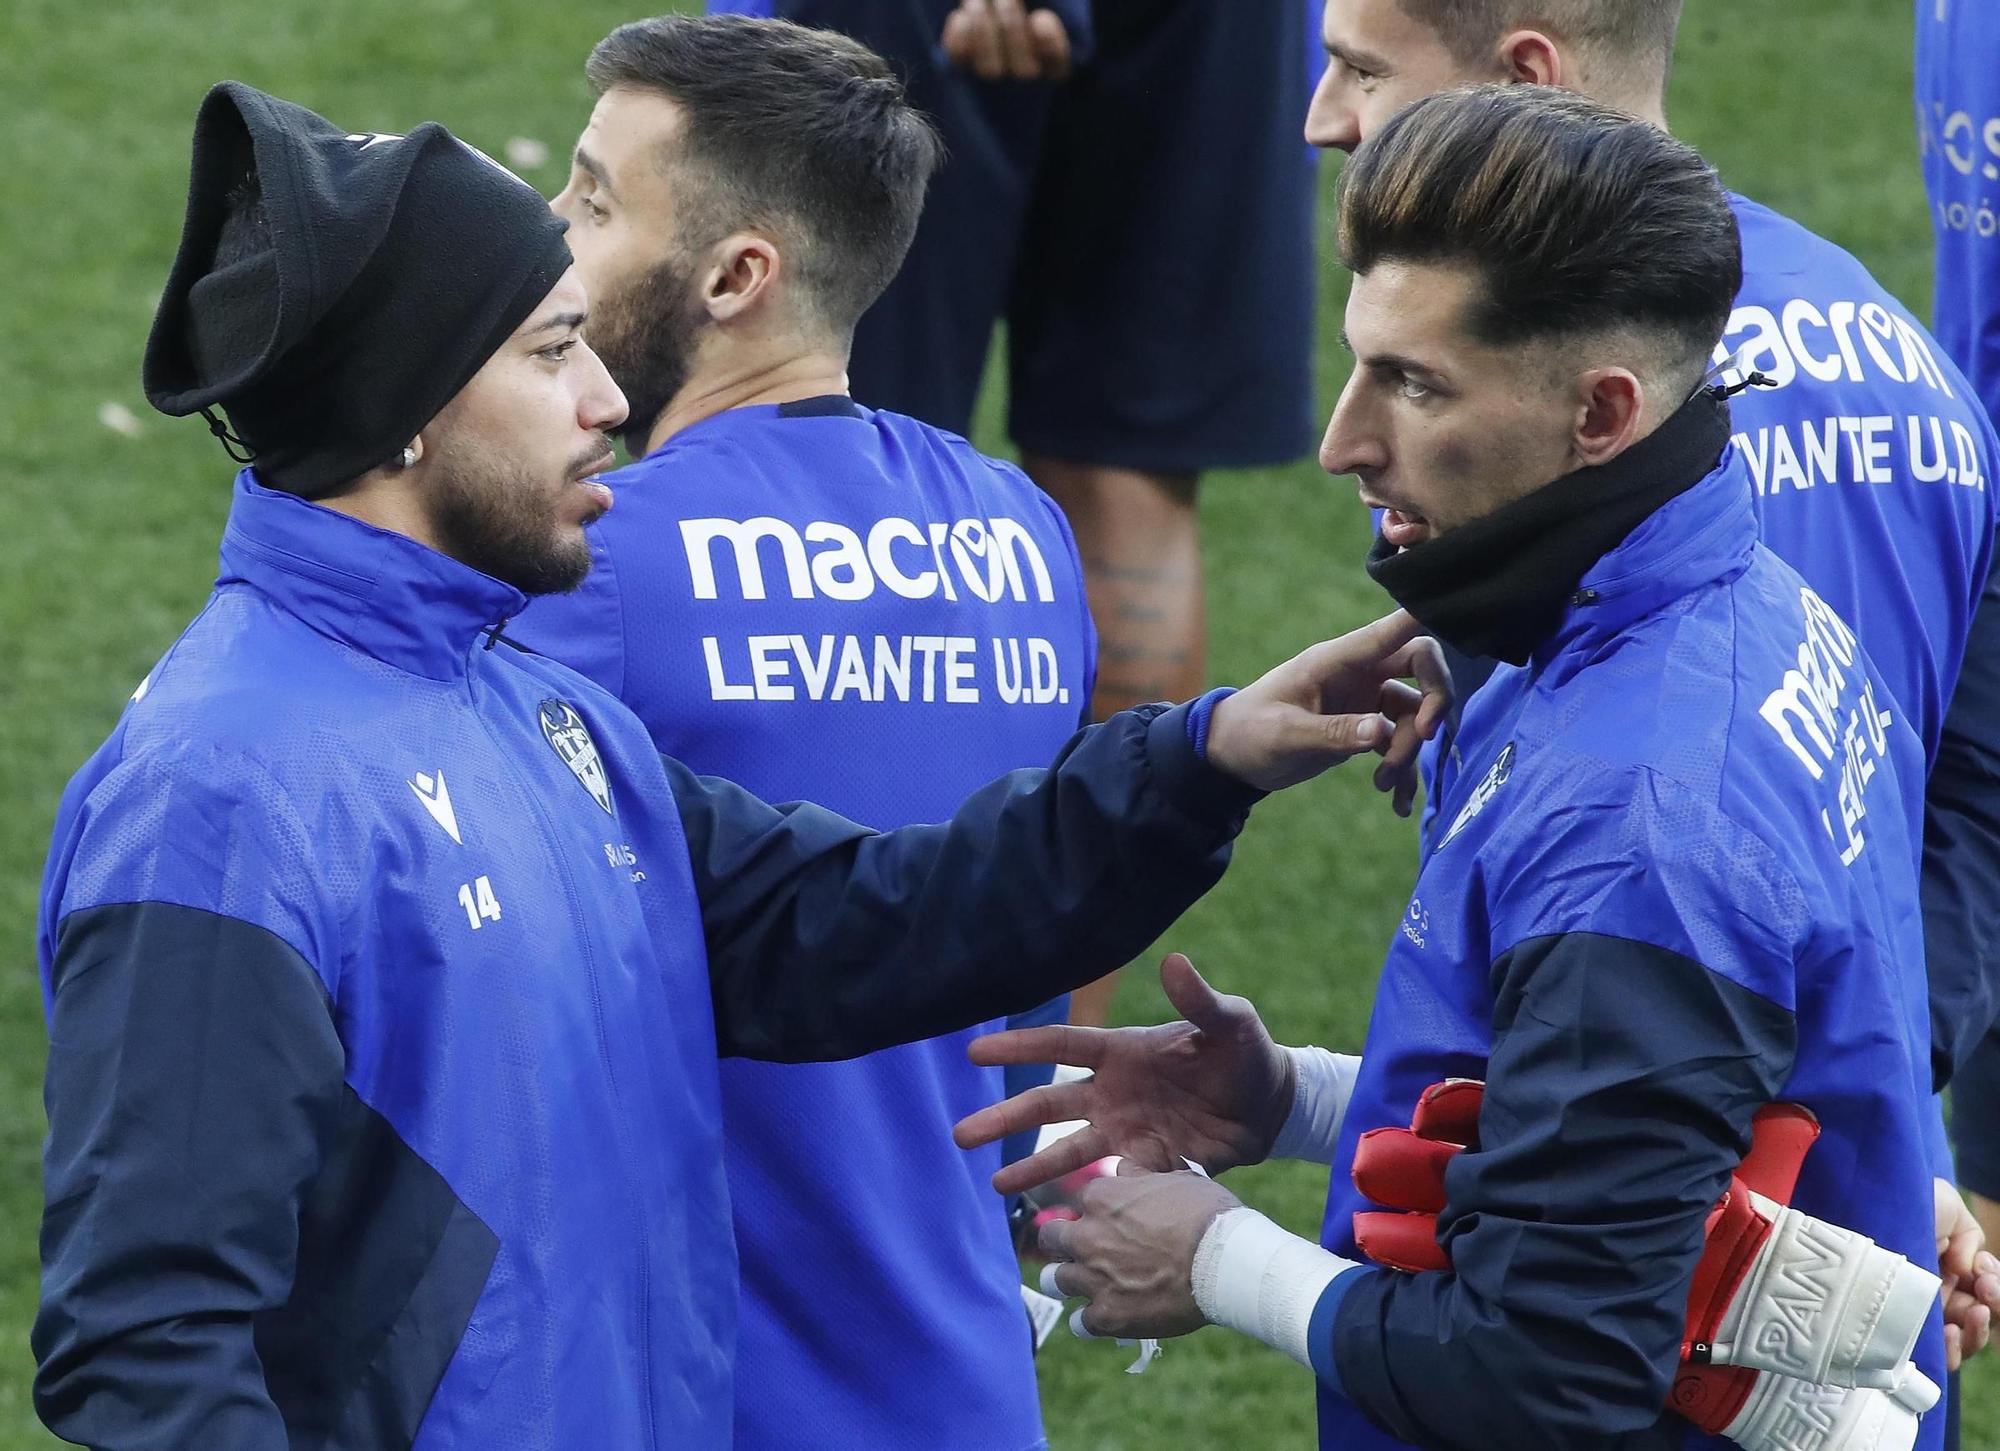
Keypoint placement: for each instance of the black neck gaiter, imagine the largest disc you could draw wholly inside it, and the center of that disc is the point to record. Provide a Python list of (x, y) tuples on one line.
[(1497, 586)]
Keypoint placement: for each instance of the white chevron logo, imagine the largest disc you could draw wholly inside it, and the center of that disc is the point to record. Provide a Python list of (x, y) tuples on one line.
[(437, 800)]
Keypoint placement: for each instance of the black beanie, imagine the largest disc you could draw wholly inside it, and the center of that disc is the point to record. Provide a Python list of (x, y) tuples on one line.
[(396, 266)]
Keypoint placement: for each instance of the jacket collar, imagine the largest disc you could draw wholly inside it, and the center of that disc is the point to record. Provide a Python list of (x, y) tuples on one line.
[(1701, 537), (384, 594)]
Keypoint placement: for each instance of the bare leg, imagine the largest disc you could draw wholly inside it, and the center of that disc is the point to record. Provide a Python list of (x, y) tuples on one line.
[(1136, 533)]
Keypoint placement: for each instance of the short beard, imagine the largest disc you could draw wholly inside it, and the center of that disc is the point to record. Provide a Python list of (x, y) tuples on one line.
[(491, 513), (646, 333)]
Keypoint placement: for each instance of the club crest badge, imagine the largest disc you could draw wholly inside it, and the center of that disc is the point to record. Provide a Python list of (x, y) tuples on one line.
[(569, 736), (1496, 777)]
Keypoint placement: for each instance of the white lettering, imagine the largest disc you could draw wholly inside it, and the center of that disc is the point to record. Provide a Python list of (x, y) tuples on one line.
[(853, 677), (1877, 328), (1931, 470), (1784, 462), (1797, 312), (1968, 456), (880, 554), (958, 668), (1876, 448), (1851, 340), (840, 572), (768, 668), (814, 664), (892, 668), (881, 668), (993, 559), (697, 535), (1007, 669), (719, 687)]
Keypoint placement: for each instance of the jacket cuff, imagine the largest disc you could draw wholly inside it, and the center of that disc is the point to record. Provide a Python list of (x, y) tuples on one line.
[(1182, 775), (1325, 1317)]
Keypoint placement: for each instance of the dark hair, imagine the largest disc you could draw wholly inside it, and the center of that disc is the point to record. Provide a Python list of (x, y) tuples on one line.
[(802, 132), (1579, 219), (1627, 34)]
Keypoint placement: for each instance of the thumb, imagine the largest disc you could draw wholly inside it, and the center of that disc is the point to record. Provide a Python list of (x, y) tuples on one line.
[(1353, 734), (1190, 995)]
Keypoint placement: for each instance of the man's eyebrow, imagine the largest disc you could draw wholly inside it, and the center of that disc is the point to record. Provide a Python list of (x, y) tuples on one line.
[(1397, 361), (1360, 60), (595, 169), (565, 321)]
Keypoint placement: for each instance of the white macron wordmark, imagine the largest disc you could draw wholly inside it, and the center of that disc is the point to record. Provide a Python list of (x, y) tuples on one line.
[(436, 797)]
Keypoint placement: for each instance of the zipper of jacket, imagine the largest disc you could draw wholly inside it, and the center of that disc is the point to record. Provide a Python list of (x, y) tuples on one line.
[(581, 923)]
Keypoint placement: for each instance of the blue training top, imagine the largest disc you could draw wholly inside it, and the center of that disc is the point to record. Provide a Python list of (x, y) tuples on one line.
[(1958, 131), (1676, 880), (819, 601), (1958, 126)]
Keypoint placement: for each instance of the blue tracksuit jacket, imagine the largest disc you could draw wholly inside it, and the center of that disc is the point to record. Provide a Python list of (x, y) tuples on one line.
[(386, 965), (1675, 880), (916, 611)]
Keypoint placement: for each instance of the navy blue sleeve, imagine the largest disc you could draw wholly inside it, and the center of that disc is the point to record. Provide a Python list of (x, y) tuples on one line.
[(1961, 869), (1975, 1118), (827, 940), (194, 1075), (1618, 1101)]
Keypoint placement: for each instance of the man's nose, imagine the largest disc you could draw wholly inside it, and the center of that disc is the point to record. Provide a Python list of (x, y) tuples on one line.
[(1331, 123), (1351, 444)]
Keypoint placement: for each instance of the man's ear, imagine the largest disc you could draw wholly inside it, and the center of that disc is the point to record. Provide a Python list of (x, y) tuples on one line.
[(745, 272), (1532, 57), (1611, 403)]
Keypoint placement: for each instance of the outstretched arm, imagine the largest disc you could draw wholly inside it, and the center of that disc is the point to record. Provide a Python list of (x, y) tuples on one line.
[(827, 940)]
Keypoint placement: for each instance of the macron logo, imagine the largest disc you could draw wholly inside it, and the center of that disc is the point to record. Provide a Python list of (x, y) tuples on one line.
[(437, 800)]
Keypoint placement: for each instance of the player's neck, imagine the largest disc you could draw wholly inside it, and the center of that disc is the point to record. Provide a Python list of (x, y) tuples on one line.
[(787, 380)]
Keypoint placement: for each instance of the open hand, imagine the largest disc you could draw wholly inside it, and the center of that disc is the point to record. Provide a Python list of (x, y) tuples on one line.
[(1212, 1088)]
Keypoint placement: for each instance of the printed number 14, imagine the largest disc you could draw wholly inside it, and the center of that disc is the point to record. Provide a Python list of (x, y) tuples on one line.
[(478, 900)]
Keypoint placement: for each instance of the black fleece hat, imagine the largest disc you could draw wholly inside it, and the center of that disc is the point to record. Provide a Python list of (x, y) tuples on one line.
[(396, 266)]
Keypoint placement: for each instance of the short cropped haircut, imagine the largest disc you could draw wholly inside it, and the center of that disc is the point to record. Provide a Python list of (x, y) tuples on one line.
[(799, 132), (1578, 219), (1627, 34)]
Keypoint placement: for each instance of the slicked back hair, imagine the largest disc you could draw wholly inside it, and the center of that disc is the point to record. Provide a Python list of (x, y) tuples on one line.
[(798, 132), (1578, 219), (1628, 35)]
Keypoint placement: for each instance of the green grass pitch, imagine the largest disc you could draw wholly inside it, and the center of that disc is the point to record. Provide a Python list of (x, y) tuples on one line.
[(107, 540)]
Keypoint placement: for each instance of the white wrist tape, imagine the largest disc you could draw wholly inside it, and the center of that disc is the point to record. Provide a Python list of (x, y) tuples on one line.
[(1319, 1103), (1264, 1281)]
